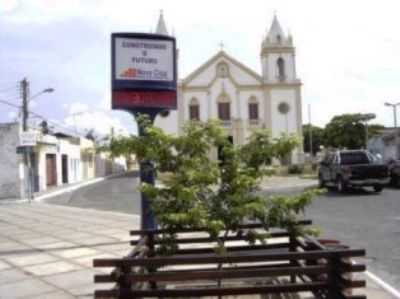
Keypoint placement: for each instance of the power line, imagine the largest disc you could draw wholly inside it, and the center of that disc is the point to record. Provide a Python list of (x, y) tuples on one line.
[(10, 104), (54, 123), (15, 88)]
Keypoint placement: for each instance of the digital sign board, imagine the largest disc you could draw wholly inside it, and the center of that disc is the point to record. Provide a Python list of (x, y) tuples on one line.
[(143, 71)]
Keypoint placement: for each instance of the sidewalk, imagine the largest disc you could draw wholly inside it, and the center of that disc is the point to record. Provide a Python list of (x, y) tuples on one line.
[(46, 251), (287, 183)]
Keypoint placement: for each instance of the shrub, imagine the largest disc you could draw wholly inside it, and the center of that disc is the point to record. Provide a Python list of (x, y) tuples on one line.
[(217, 196)]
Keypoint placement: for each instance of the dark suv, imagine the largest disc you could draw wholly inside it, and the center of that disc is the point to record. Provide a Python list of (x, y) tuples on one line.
[(352, 168)]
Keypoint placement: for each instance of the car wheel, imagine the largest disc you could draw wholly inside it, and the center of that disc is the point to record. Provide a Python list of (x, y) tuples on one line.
[(321, 182), (378, 188), (341, 185)]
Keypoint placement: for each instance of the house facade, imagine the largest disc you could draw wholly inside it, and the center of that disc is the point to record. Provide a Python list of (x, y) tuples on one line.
[(243, 100), (386, 144), (57, 159)]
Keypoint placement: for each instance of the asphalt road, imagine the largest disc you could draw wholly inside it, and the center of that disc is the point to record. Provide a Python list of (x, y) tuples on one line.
[(118, 194), (360, 219), (365, 220)]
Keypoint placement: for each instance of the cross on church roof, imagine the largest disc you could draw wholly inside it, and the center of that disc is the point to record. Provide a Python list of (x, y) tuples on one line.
[(221, 45)]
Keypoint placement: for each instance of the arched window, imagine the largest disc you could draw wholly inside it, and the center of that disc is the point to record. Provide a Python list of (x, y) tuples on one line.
[(194, 109), (281, 68), (278, 38), (253, 109), (224, 108)]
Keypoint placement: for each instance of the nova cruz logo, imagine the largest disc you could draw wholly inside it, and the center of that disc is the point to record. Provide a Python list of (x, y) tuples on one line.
[(129, 73), (139, 74)]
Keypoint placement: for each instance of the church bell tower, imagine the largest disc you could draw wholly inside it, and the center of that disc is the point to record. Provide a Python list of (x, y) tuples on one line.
[(278, 55)]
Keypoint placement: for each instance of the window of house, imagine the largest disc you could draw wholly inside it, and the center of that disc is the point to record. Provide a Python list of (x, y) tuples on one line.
[(224, 111), (281, 68)]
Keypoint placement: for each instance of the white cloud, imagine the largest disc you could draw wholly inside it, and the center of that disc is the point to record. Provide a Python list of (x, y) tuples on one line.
[(8, 6), (12, 115), (83, 118)]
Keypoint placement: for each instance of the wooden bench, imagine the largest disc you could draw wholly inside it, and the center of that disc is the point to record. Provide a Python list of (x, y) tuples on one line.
[(284, 265)]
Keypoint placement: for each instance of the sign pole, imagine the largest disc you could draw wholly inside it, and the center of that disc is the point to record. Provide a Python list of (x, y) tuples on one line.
[(147, 173), (144, 82)]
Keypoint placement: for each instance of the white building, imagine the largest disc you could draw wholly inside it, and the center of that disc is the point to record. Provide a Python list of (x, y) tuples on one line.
[(56, 160), (226, 89)]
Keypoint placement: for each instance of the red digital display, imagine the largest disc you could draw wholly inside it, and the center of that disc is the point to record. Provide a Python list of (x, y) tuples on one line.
[(150, 99)]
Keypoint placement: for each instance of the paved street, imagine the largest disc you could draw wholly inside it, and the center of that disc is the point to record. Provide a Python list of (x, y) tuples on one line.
[(117, 194), (367, 220)]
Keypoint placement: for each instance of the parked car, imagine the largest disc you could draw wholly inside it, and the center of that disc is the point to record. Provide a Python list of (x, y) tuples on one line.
[(352, 169), (394, 170)]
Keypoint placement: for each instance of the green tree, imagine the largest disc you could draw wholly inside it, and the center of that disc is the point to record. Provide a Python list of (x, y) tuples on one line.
[(200, 192), (317, 138), (348, 131)]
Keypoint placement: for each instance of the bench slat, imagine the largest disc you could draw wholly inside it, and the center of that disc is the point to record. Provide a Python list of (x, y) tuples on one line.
[(229, 258), (222, 291)]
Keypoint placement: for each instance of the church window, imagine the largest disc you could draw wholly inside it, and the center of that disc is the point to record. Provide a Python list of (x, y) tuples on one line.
[(278, 39), (281, 68), (283, 108), (224, 111), (253, 109), (194, 110), (222, 70)]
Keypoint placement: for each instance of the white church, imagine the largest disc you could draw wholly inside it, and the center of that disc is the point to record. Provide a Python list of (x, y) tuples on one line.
[(226, 89)]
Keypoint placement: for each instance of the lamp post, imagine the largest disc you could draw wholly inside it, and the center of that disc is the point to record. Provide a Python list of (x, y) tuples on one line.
[(367, 117), (394, 107)]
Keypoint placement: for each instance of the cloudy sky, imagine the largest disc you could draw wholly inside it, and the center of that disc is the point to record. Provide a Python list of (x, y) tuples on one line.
[(348, 52)]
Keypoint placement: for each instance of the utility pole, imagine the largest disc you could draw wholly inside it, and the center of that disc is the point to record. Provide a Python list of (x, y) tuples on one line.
[(24, 89), (27, 160)]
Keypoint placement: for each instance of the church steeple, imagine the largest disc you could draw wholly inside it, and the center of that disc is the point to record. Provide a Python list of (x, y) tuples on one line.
[(161, 27), (276, 34), (278, 55)]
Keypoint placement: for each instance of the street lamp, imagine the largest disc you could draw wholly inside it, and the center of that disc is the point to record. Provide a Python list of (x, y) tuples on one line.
[(47, 90), (367, 117), (394, 106)]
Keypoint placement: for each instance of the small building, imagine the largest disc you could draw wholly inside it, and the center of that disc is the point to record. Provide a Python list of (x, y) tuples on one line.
[(57, 159), (11, 170), (385, 144)]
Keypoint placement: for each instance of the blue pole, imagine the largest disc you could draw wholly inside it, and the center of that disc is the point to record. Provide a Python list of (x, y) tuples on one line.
[(147, 175)]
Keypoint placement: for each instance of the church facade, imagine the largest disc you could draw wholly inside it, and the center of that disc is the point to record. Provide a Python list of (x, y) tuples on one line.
[(243, 100)]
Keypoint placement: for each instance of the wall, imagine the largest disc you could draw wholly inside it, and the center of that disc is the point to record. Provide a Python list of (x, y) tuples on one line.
[(10, 161), (71, 148), (87, 158)]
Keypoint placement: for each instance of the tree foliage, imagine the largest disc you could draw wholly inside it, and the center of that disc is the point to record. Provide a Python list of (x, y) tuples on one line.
[(348, 131), (200, 192), (317, 138)]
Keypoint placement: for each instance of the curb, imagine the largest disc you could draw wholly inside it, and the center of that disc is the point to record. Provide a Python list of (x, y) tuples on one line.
[(384, 285), (292, 188), (40, 198), (60, 191)]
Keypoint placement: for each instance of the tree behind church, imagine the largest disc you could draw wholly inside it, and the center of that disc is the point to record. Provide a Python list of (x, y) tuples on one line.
[(348, 131)]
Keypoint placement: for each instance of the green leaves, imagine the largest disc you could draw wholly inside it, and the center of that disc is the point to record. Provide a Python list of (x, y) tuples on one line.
[(202, 192)]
